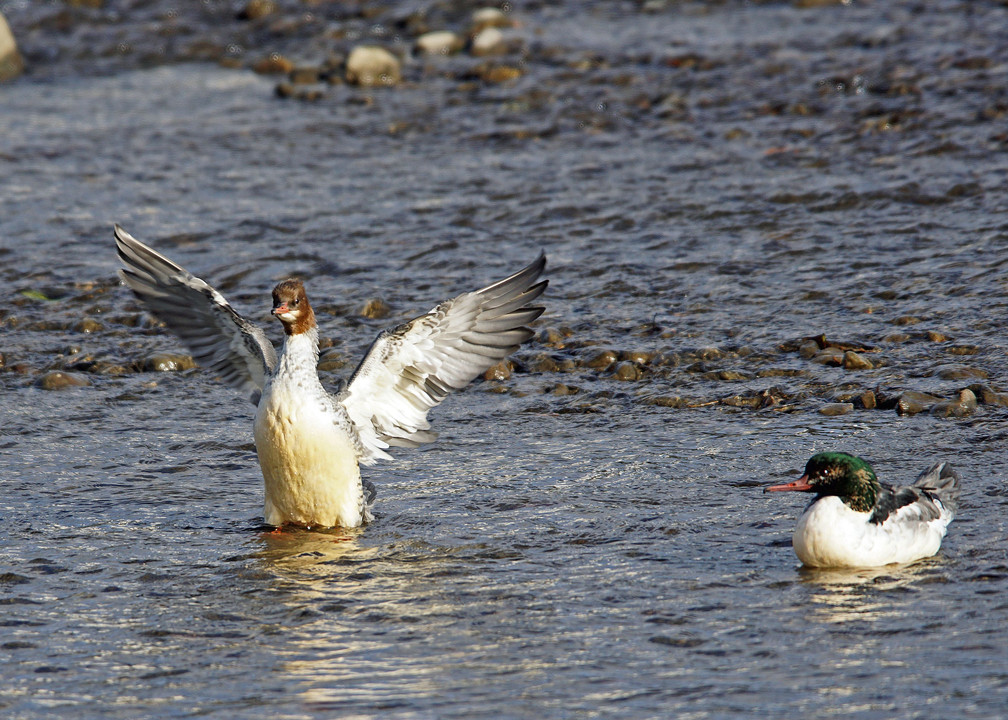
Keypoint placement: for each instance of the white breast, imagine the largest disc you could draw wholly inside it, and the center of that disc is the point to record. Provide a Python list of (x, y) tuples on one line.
[(308, 459), (830, 534)]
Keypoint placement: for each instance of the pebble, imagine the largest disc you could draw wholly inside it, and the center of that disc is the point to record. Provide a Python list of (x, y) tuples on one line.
[(57, 380), (489, 17), (562, 389), (641, 357), (441, 42), (988, 396), (332, 359), (836, 408), (500, 371), (855, 361), (88, 325), (962, 406), (11, 62), (627, 370), (274, 64), (373, 66), (167, 362), (912, 402), (602, 361), (808, 349), (489, 41), (671, 401), (256, 9), (960, 372), (829, 356), (867, 400), (306, 75), (935, 336), (552, 337), (375, 309)]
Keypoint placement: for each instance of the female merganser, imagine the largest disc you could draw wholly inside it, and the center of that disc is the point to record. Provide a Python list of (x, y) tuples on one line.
[(310, 443), (856, 521)]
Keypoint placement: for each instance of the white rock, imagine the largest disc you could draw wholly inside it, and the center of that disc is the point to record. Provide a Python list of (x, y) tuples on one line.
[(489, 41), (441, 42), (489, 17), (370, 65), (11, 63)]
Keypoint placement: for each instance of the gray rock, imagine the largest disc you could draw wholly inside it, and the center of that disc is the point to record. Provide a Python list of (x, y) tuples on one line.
[(960, 372), (829, 356), (836, 408), (912, 402), (961, 406)]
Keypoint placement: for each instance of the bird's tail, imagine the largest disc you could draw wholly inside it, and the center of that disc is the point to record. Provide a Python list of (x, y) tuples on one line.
[(941, 482)]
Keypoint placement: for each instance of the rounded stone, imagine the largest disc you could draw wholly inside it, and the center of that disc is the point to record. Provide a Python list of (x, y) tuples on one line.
[(375, 309), (808, 349), (274, 64), (57, 380), (500, 371), (11, 62), (602, 361), (168, 362), (489, 41), (912, 402), (256, 9), (960, 372), (836, 409), (372, 66), (88, 325), (441, 42), (489, 17), (627, 370), (829, 356), (856, 361)]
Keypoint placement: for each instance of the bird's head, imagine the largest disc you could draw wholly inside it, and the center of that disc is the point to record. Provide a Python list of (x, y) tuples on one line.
[(835, 473), (291, 307)]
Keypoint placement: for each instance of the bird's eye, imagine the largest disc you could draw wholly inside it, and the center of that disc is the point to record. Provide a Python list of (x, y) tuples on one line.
[(297, 301)]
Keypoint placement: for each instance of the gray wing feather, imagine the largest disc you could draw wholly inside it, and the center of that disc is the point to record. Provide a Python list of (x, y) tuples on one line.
[(411, 368), (219, 338)]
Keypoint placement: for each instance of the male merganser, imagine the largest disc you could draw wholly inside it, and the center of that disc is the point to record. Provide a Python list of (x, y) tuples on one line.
[(856, 521), (310, 443)]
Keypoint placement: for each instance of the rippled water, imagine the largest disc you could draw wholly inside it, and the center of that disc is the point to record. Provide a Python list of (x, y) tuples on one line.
[(711, 183)]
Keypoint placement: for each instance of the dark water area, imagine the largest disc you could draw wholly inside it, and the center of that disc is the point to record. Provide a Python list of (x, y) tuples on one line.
[(772, 229)]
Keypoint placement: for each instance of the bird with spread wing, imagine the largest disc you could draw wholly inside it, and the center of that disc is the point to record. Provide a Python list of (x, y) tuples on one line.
[(310, 442)]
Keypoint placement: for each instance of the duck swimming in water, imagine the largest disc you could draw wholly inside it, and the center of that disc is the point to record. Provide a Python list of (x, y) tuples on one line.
[(856, 521)]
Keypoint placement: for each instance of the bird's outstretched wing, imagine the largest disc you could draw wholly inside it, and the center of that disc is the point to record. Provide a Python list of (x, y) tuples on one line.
[(219, 338), (411, 368)]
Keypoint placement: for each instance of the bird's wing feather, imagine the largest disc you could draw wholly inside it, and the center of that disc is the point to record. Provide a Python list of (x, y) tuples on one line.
[(411, 368), (219, 338)]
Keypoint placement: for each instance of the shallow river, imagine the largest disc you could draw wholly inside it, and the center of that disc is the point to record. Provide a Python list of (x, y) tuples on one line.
[(713, 184)]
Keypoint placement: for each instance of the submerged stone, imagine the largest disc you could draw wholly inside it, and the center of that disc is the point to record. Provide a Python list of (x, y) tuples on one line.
[(912, 402), (57, 380), (167, 362), (961, 406), (856, 361), (836, 408)]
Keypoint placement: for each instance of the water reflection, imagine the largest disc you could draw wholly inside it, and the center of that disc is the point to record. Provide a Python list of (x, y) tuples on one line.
[(863, 594), (349, 605)]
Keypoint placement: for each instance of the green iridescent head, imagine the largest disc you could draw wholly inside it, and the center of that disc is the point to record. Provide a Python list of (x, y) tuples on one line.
[(848, 477)]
